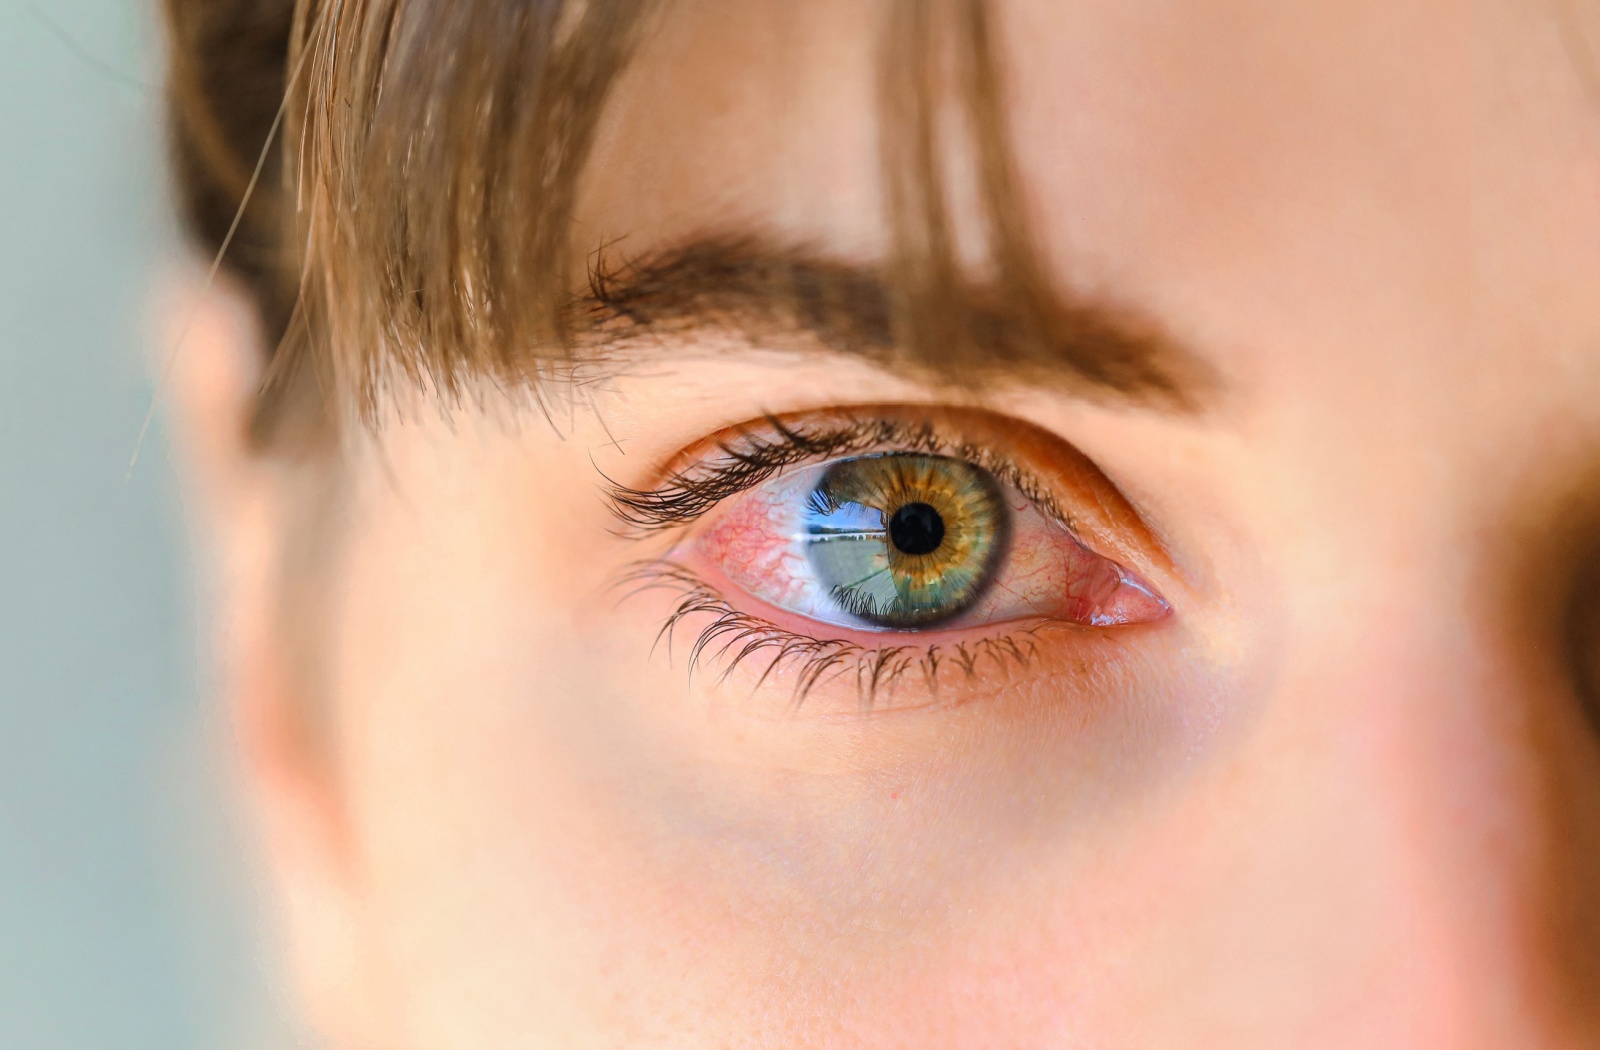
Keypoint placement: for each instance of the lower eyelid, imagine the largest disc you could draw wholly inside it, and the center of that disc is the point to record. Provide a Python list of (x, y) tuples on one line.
[(716, 581), (845, 673)]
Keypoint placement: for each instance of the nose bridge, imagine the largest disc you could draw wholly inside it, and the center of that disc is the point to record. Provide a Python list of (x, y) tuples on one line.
[(1473, 769)]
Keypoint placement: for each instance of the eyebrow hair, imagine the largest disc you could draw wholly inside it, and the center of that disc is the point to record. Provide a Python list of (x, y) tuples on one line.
[(761, 289)]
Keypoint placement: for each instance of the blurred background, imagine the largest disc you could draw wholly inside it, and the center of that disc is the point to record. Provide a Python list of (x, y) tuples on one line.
[(126, 919)]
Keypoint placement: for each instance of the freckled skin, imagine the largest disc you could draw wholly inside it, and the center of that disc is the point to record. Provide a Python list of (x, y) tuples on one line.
[(1344, 794)]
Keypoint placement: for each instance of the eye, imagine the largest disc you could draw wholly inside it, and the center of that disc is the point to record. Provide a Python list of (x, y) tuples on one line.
[(913, 542)]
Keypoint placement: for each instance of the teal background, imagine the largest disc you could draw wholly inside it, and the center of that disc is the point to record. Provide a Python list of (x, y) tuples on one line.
[(126, 919)]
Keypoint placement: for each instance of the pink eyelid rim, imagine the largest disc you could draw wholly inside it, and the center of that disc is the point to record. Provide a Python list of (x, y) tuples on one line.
[(868, 639)]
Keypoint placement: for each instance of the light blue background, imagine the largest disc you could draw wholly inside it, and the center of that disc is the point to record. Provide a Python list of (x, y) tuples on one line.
[(124, 914)]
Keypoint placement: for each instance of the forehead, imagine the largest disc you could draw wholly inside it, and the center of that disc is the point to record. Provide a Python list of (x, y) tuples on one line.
[(1334, 178)]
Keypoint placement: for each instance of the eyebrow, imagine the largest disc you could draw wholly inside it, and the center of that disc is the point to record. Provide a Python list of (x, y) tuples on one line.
[(760, 290)]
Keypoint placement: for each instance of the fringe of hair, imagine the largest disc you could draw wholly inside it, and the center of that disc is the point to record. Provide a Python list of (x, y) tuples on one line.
[(418, 227)]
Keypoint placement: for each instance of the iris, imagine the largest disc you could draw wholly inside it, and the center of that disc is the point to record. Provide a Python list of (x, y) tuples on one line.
[(902, 540)]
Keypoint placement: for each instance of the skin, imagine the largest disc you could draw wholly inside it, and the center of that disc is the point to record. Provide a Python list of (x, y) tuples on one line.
[(1346, 795)]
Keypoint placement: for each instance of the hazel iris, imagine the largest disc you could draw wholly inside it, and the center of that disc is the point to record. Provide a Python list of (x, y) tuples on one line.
[(902, 540)]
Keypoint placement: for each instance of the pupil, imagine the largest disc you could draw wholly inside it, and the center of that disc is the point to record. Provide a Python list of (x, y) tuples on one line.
[(916, 528)]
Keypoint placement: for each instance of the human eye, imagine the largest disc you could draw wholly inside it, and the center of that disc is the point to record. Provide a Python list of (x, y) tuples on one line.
[(908, 542), (864, 546)]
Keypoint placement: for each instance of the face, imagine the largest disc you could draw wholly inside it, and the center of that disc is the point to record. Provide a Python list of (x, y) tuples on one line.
[(758, 694)]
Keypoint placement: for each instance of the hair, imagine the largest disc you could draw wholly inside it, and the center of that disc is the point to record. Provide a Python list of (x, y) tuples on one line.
[(398, 178)]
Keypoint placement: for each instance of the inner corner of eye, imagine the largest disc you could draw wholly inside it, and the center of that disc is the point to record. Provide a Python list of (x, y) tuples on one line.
[(912, 542)]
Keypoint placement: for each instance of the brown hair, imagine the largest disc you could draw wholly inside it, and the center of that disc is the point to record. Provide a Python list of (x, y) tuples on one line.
[(413, 218)]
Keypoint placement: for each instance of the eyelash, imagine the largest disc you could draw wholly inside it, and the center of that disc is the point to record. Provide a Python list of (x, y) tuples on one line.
[(733, 637), (687, 496)]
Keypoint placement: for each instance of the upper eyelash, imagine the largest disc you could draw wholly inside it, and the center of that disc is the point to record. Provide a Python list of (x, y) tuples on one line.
[(688, 495), (752, 458)]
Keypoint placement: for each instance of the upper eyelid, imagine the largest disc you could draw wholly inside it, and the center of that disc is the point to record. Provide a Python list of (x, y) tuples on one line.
[(687, 495)]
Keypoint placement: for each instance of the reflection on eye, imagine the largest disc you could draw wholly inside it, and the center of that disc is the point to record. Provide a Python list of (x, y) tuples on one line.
[(904, 540), (908, 541)]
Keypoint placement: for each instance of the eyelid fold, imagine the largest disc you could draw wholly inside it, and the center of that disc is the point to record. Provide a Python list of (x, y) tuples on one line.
[(1059, 479)]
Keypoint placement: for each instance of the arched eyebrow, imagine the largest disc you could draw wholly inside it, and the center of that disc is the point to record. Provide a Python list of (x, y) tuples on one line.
[(792, 296)]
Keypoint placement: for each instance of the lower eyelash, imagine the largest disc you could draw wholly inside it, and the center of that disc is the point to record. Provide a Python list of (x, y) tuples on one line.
[(733, 638)]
